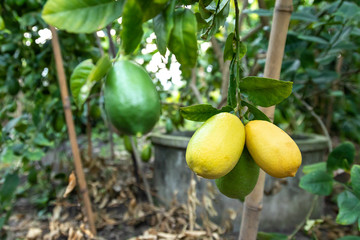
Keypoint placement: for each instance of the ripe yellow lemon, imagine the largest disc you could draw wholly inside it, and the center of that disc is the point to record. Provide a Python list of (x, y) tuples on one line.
[(216, 146), (272, 149)]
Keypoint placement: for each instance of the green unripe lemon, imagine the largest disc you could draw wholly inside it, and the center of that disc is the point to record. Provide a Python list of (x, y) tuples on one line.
[(131, 99), (127, 143), (241, 180), (216, 146), (146, 153), (272, 149)]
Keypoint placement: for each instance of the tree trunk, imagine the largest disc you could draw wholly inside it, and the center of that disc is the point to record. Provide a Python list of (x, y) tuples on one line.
[(275, 53)]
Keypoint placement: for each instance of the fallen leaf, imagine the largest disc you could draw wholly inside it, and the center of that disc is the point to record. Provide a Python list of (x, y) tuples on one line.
[(71, 185), (33, 233)]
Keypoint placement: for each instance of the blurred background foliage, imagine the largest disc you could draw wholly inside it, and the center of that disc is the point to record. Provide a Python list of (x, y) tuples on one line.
[(322, 58)]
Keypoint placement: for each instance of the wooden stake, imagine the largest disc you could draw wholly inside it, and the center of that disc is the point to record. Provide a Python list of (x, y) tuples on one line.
[(275, 53), (71, 130)]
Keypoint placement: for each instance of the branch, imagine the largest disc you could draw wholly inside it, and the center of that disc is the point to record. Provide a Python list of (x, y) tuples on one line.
[(317, 117), (193, 86), (112, 50)]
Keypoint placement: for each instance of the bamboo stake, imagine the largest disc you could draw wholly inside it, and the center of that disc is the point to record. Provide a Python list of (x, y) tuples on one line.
[(71, 130), (275, 53)]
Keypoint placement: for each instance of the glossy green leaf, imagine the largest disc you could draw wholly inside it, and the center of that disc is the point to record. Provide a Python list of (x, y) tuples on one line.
[(265, 92), (101, 68), (151, 8), (348, 10), (216, 18), (163, 24), (201, 112), (229, 50), (258, 115), (40, 140), (183, 40), (304, 16), (355, 179), (317, 182), (349, 238), (321, 166), (9, 186), (242, 50), (81, 16), (341, 157), (132, 30), (260, 12), (2, 23), (313, 39), (80, 87), (349, 209)]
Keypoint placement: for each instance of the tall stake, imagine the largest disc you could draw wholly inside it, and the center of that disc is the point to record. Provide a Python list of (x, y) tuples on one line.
[(71, 130), (274, 56)]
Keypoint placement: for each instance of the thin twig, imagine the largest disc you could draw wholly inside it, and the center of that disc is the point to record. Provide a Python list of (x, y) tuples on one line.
[(88, 130), (317, 117), (141, 173), (307, 217), (112, 49)]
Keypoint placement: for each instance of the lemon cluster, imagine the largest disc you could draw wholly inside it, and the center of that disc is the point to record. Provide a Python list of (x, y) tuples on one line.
[(216, 147)]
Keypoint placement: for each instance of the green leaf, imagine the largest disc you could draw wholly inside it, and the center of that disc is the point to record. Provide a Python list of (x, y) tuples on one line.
[(258, 115), (151, 8), (349, 209), (304, 16), (260, 12), (341, 157), (201, 112), (80, 87), (348, 10), (229, 50), (265, 92), (81, 16), (242, 50), (40, 140), (34, 154), (355, 179), (9, 187), (101, 68), (317, 182), (183, 40), (313, 39), (2, 24), (132, 30), (231, 97), (349, 238), (271, 236), (163, 24), (321, 166)]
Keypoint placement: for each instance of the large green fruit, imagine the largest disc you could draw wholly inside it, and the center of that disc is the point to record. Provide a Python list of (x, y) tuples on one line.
[(241, 180), (131, 99)]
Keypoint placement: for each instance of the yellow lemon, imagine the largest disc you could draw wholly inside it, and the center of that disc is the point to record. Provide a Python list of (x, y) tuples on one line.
[(272, 149), (216, 146)]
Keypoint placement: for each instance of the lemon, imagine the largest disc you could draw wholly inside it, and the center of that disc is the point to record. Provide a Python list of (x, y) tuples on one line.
[(216, 146), (241, 180), (272, 149)]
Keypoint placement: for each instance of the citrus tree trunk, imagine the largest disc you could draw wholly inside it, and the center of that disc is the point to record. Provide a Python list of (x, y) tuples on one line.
[(253, 202)]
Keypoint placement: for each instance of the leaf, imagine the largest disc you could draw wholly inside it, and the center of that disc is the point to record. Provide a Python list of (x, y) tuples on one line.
[(242, 50), (260, 12), (317, 182), (349, 209), (40, 140), (201, 112), (231, 97), (79, 86), (101, 68), (34, 154), (265, 92), (341, 157), (258, 115), (349, 238), (9, 186), (163, 24), (271, 236), (229, 50), (81, 16), (132, 30), (304, 16), (2, 27), (183, 40), (355, 179), (151, 8), (313, 39), (321, 166), (71, 185)]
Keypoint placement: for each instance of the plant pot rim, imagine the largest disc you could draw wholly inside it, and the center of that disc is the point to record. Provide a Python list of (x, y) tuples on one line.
[(307, 142)]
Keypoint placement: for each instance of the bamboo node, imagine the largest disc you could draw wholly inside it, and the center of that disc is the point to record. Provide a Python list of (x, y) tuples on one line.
[(284, 8), (255, 208)]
